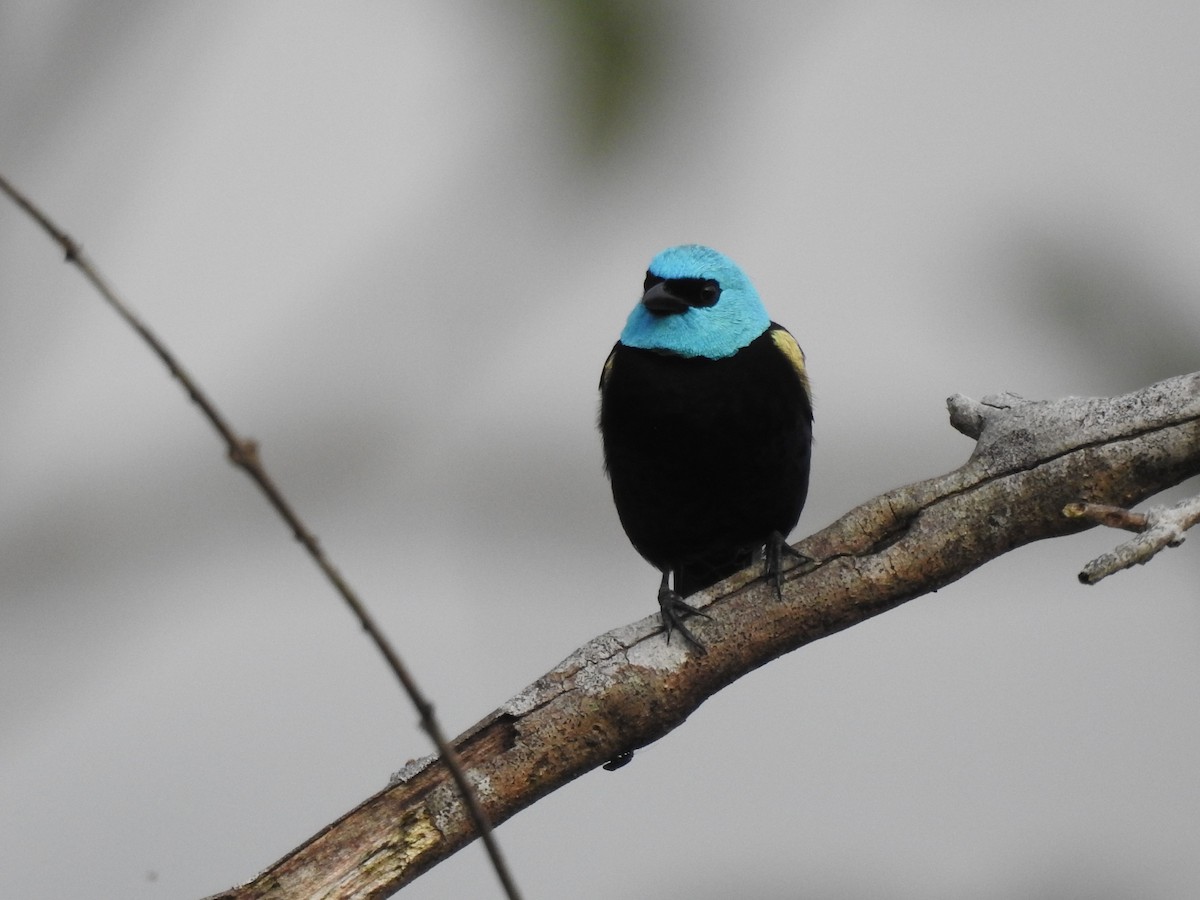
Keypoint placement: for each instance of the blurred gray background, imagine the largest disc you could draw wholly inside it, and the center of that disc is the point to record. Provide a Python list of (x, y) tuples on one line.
[(395, 241)]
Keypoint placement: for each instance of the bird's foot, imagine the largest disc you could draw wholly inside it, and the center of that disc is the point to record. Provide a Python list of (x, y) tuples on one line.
[(674, 610), (777, 549)]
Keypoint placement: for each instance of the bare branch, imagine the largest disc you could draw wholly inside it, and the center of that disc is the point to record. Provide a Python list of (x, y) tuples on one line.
[(1160, 527), (629, 687), (244, 454), (1109, 516)]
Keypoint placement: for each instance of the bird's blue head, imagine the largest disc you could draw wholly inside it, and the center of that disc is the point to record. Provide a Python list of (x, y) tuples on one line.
[(697, 302)]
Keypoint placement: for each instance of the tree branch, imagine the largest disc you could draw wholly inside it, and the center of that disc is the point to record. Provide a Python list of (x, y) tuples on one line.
[(1159, 527), (244, 453), (629, 687)]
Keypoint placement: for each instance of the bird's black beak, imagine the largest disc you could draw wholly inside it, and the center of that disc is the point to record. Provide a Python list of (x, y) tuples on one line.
[(661, 301)]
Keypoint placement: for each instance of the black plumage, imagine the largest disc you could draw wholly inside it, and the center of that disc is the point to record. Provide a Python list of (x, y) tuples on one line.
[(708, 458)]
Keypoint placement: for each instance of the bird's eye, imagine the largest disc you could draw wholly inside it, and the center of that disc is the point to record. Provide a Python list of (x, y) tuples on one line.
[(699, 291)]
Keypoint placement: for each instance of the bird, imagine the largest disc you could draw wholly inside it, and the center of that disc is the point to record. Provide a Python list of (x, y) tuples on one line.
[(706, 425)]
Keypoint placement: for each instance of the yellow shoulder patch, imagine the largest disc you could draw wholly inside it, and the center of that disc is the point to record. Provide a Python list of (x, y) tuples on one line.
[(608, 364), (788, 346)]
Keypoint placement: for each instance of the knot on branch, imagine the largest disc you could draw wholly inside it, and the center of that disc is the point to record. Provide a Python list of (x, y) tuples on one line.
[(244, 454), (971, 417)]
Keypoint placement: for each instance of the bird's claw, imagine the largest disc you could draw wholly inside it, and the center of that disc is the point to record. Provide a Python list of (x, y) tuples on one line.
[(777, 549), (674, 610)]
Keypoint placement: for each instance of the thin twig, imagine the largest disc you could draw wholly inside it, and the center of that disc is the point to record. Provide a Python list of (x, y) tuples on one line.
[(1109, 516), (1158, 528), (243, 453)]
